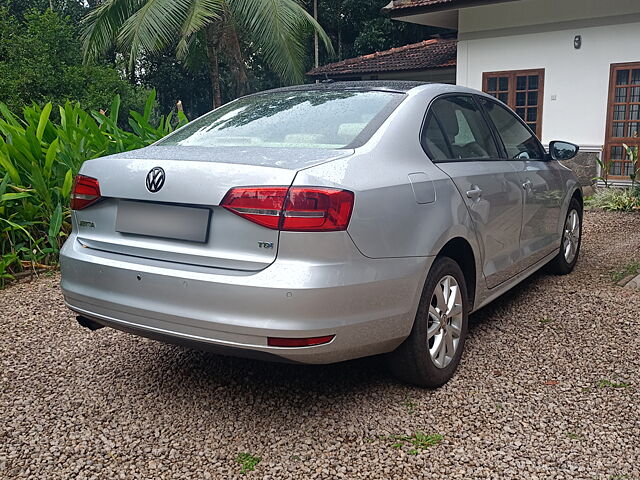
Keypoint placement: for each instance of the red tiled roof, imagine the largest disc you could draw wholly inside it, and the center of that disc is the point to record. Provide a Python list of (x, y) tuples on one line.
[(402, 7), (429, 54), (401, 4)]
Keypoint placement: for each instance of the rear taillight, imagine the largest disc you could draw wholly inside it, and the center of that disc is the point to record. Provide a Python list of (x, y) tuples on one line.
[(86, 190), (262, 205), (297, 209)]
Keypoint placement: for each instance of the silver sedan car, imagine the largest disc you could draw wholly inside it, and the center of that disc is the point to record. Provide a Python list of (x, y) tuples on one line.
[(322, 223)]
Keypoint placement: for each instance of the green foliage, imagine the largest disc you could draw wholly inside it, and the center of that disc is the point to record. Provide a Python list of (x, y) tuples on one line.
[(632, 156), (616, 199), (410, 406), (41, 61), (74, 9), (417, 442), (609, 384), (247, 462), (39, 157), (604, 168), (357, 27), (632, 268), (174, 82)]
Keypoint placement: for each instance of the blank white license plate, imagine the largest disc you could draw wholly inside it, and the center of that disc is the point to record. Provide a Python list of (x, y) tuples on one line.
[(162, 220)]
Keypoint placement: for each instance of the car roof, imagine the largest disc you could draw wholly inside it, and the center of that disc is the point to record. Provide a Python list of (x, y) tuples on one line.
[(402, 86)]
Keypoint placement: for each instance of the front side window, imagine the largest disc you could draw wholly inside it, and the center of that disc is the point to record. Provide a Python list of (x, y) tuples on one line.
[(465, 131), (517, 139), (293, 119)]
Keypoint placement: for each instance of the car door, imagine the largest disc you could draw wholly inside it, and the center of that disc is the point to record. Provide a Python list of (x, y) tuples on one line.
[(541, 183), (459, 141)]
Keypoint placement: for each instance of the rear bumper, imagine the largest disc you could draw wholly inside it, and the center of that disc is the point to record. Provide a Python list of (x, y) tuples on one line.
[(368, 304)]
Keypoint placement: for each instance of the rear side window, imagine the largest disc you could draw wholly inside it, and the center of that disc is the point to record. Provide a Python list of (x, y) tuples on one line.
[(293, 119), (434, 141), (518, 141), (464, 129)]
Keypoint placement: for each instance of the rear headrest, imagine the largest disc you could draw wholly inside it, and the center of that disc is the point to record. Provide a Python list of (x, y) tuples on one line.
[(445, 110), (350, 130)]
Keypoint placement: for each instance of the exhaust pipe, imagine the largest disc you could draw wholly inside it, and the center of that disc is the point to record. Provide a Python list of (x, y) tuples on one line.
[(88, 323)]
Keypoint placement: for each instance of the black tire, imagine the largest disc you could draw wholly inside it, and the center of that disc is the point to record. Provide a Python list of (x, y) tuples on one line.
[(412, 361), (560, 265)]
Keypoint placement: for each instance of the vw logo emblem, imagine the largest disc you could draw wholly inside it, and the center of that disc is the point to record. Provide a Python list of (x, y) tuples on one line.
[(155, 179)]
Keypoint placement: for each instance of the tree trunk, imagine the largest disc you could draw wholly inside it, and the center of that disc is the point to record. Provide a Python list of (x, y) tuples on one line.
[(214, 73), (316, 50), (240, 70), (132, 72)]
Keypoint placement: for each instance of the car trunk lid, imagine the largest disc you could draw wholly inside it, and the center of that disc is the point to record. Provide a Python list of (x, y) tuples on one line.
[(182, 221)]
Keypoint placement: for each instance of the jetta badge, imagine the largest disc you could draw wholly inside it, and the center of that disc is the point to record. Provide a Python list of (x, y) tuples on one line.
[(155, 179)]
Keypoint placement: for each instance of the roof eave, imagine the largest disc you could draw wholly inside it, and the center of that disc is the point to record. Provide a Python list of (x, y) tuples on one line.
[(376, 72), (399, 12)]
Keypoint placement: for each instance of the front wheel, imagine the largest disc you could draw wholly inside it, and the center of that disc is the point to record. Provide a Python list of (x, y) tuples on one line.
[(430, 355), (567, 257)]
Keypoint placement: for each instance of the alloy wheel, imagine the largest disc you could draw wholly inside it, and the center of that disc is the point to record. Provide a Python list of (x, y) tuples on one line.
[(445, 321), (571, 239)]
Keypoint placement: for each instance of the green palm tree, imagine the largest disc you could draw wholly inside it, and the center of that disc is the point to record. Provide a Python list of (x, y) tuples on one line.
[(277, 27)]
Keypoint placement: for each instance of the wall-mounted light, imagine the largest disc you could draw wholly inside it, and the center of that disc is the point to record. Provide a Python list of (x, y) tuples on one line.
[(577, 42)]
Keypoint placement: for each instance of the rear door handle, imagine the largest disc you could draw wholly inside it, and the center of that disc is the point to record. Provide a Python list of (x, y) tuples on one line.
[(475, 193)]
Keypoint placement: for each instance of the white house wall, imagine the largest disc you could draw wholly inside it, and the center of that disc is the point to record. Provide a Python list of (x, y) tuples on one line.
[(531, 34)]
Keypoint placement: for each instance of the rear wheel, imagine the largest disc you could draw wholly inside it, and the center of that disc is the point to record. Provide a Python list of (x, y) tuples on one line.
[(430, 355), (567, 257)]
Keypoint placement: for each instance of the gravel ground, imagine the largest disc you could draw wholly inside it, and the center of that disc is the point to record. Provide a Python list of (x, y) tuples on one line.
[(549, 388)]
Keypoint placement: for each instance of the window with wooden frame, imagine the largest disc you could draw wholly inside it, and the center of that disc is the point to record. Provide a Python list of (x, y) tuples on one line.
[(623, 118), (522, 90)]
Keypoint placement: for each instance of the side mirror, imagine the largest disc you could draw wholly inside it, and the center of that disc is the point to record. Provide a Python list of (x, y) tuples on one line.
[(563, 150)]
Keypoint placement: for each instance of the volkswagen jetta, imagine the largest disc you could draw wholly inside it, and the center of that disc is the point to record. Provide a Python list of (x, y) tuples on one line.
[(322, 223)]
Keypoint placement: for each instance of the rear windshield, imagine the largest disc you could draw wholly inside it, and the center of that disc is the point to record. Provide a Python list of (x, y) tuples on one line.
[(305, 119)]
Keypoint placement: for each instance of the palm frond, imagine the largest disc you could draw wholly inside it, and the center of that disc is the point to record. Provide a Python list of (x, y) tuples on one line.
[(101, 25), (153, 26), (277, 27), (200, 14), (192, 51)]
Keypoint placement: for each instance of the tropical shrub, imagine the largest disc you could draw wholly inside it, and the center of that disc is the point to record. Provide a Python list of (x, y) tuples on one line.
[(616, 199), (39, 157), (632, 155)]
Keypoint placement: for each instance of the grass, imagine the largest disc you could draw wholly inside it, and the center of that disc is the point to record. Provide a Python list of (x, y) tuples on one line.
[(609, 384), (410, 406), (574, 436), (632, 268), (417, 442), (247, 462), (546, 320)]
